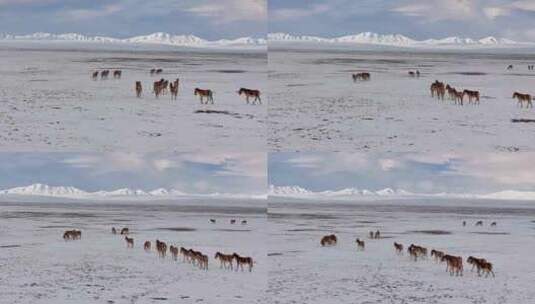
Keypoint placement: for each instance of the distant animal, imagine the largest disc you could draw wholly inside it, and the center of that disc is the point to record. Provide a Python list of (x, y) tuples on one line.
[(479, 223), (473, 96), (208, 94), (225, 260), (493, 224), (414, 73), (129, 242), (174, 252), (233, 221), (510, 67), (361, 76), (113, 230), (329, 240), (139, 89), (244, 222), (464, 223), (72, 235), (360, 244), (482, 265), (159, 71), (250, 94), (152, 71), (161, 248), (475, 262), (416, 251), (371, 235), (240, 261), (94, 76), (212, 221), (438, 89), (398, 247), (117, 74), (437, 254), (173, 88), (146, 246), (125, 231), (523, 98), (104, 74), (377, 235)]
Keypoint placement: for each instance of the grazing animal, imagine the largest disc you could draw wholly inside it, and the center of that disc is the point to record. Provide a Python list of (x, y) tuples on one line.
[(94, 76), (212, 221), (139, 89), (113, 230), (329, 240), (240, 261), (365, 76), (233, 221), (146, 246), (104, 74), (72, 235), (117, 74), (225, 260), (250, 94), (360, 244), (454, 264), (208, 94), (473, 96), (510, 67), (125, 231), (129, 242), (398, 247), (493, 224), (523, 98), (479, 223)]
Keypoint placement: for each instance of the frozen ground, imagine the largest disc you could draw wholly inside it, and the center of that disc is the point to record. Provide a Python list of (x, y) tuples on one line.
[(37, 266), (301, 271), (314, 104), (48, 101)]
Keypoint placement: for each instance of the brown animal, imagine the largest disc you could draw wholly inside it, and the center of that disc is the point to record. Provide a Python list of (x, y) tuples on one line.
[(454, 264), (233, 221), (438, 89), (104, 74), (523, 98), (129, 242), (437, 255), (371, 235), (152, 71), (416, 251), (94, 76), (174, 252), (159, 71), (398, 247), (161, 248), (173, 88), (146, 246), (225, 260), (208, 94), (139, 89), (125, 231), (360, 244), (329, 240), (240, 261), (361, 76), (117, 74), (473, 96), (72, 235), (377, 235), (250, 94)]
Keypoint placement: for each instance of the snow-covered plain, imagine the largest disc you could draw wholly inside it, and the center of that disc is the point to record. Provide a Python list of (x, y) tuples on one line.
[(48, 101), (38, 266), (301, 271), (315, 105)]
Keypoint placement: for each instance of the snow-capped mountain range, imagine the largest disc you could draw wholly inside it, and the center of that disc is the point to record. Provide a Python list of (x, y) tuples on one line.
[(154, 39), (42, 190), (354, 193), (392, 40)]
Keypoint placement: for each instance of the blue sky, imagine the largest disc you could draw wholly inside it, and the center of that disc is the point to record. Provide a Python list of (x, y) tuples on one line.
[(419, 19), (467, 173), (188, 172), (210, 19)]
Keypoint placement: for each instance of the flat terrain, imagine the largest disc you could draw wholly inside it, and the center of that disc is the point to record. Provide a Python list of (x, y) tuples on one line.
[(315, 105), (48, 101), (38, 266)]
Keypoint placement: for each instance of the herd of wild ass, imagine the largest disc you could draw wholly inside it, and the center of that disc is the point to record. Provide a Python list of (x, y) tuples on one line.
[(164, 86), (454, 264), (196, 258), (440, 90)]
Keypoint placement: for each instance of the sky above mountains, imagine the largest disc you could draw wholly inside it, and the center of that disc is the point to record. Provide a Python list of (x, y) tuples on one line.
[(470, 173), (193, 173), (418, 19), (210, 19)]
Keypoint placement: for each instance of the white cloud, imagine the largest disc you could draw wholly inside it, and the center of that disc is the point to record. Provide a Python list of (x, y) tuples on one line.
[(388, 164), (293, 13), (230, 10), (81, 14), (437, 10)]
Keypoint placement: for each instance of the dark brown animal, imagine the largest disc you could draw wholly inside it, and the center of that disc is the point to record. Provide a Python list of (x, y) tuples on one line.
[(208, 94), (360, 244), (139, 89), (250, 94), (329, 240), (117, 74), (398, 247), (225, 260), (125, 231), (523, 98), (473, 96), (240, 261), (146, 246), (365, 76), (129, 242)]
